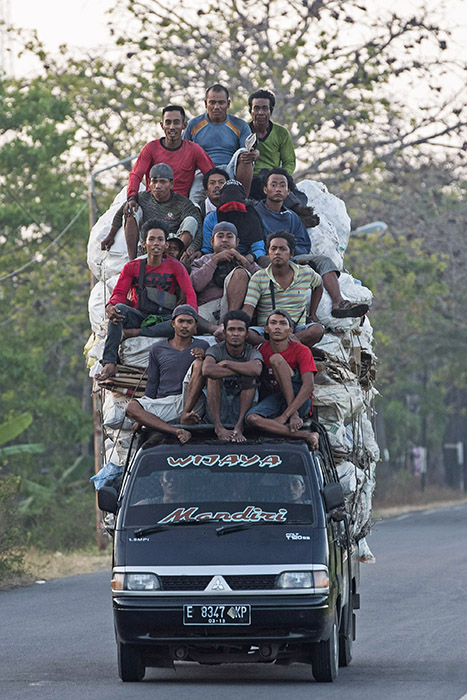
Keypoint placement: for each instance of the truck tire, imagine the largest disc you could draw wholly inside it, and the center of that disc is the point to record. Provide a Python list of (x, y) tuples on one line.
[(346, 639), (325, 657), (131, 668)]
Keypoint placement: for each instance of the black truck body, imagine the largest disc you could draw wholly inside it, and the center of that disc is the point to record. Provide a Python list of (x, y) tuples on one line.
[(228, 565)]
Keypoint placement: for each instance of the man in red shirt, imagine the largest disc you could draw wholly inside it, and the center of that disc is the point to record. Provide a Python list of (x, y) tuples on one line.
[(162, 273), (290, 368), (184, 157)]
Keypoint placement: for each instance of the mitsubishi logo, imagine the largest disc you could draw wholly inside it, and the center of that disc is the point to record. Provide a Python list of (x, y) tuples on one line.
[(218, 583)]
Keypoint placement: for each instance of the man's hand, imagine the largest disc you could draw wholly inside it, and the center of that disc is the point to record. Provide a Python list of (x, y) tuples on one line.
[(249, 156), (189, 255), (219, 333), (224, 256), (131, 207), (113, 313), (198, 353), (108, 241)]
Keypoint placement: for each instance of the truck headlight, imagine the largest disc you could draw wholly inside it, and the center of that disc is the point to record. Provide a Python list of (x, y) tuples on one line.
[(142, 582), (295, 579), (135, 582)]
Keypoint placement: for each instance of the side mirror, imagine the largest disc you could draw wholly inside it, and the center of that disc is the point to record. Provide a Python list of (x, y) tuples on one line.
[(333, 497), (107, 498)]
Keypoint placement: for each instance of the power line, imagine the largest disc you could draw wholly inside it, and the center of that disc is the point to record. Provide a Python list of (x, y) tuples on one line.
[(55, 240)]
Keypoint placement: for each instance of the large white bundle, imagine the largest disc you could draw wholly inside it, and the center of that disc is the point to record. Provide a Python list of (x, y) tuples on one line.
[(352, 290), (334, 219), (96, 308), (113, 412), (103, 263), (331, 344), (350, 476), (339, 402), (93, 351), (363, 337), (135, 351)]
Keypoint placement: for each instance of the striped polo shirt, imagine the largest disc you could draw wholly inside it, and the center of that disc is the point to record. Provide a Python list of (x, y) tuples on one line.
[(293, 299)]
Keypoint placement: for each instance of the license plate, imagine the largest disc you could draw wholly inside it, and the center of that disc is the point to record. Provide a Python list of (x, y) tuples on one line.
[(216, 614)]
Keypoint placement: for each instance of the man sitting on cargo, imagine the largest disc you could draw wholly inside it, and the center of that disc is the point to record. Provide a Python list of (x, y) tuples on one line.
[(276, 149), (184, 157), (175, 380), (220, 279), (212, 184), (288, 382), (179, 214), (284, 285), (276, 217), (223, 137), (231, 369), (154, 272)]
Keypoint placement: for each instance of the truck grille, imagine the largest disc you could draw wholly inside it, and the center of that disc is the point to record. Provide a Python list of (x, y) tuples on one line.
[(253, 582)]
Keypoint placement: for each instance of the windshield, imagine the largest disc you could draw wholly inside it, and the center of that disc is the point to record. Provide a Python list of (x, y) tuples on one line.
[(252, 487)]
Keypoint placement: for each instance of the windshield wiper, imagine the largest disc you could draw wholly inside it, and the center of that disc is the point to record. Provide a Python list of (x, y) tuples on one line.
[(160, 527), (227, 529)]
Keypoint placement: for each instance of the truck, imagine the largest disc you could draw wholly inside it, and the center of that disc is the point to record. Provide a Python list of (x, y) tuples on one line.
[(232, 553)]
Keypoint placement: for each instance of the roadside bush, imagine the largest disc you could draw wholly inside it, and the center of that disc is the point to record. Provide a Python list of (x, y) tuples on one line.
[(67, 522), (11, 554)]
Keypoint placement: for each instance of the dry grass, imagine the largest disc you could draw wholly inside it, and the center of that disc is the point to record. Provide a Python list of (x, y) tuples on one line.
[(43, 566)]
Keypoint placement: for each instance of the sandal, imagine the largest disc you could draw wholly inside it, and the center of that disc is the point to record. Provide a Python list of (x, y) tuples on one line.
[(349, 309)]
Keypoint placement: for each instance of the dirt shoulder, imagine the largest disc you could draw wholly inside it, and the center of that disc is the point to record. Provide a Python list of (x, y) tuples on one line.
[(392, 511), (40, 567)]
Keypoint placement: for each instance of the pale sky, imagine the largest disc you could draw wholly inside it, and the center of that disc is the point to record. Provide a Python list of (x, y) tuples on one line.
[(82, 23)]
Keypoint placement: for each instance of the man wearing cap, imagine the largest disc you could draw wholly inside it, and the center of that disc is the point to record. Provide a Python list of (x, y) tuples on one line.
[(156, 272), (175, 380), (220, 279), (287, 382), (178, 213)]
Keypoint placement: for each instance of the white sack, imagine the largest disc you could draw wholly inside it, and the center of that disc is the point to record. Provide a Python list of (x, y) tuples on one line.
[(113, 412), (135, 351), (352, 290), (331, 344), (338, 402), (335, 222)]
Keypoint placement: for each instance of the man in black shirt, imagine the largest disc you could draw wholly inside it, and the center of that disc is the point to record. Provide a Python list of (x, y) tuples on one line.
[(172, 395)]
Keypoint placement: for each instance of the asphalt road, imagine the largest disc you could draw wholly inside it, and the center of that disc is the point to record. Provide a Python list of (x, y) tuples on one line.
[(56, 639)]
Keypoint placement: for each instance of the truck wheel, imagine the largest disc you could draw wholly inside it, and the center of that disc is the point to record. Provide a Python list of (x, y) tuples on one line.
[(130, 663), (345, 640), (325, 657)]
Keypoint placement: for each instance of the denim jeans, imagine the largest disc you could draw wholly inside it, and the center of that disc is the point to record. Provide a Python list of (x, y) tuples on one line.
[(132, 318)]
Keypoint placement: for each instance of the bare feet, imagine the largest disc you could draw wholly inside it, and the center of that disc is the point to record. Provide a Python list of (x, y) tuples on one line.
[(311, 438), (223, 434), (130, 333), (238, 435), (110, 370), (189, 418), (183, 436), (295, 422)]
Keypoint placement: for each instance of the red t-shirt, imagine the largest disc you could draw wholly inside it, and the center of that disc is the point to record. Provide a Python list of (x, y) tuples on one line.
[(168, 276), (184, 160), (297, 356)]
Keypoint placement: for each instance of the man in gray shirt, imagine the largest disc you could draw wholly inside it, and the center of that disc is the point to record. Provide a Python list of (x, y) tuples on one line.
[(175, 380), (231, 369)]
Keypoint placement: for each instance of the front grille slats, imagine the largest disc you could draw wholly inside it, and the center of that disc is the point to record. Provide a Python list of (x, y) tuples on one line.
[(253, 582)]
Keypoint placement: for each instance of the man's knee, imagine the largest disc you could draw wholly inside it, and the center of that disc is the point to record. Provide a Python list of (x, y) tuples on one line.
[(132, 407), (277, 360), (252, 419)]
